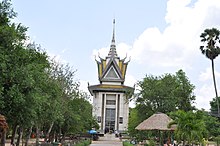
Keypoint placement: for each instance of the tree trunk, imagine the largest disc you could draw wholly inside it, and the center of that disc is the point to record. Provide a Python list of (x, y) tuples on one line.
[(14, 131), (3, 138), (20, 132), (48, 132), (184, 142), (28, 136), (63, 137), (60, 136), (216, 93), (52, 138), (37, 135)]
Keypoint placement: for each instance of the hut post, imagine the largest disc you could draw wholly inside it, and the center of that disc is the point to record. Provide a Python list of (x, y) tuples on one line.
[(3, 138), (3, 130)]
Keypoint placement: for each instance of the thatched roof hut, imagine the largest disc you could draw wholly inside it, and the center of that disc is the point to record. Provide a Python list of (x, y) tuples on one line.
[(158, 121)]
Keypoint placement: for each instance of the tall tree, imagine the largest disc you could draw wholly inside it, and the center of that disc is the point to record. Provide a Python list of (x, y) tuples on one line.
[(22, 66), (165, 93), (210, 38), (34, 92), (184, 91)]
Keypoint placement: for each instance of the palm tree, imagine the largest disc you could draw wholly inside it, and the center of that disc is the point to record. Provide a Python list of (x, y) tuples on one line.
[(190, 126), (211, 50)]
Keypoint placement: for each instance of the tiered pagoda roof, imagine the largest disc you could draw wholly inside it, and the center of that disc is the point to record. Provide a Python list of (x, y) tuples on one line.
[(111, 71), (112, 68)]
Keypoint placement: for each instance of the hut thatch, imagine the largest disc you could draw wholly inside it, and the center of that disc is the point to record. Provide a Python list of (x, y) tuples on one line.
[(158, 121)]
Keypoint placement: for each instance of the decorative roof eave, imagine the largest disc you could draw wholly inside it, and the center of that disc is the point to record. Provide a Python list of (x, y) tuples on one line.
[(100, 57), (124, 58), (128, 60), (109, 88)]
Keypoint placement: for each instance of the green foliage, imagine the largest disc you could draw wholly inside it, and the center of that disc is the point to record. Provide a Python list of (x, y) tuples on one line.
[(35, 91), (6, 12), (152, 143), (217, 139), (212, 125), (128, 94), (79, 114), (134, 120), (214, 106), (84, 143), (165, 93), (211, 37), (127, 143), (72, 107), (191, 127), (184, 92), (21, 68)]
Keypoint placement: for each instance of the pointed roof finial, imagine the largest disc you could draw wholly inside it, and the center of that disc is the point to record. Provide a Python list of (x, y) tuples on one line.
[(113, 36), (112, 51)]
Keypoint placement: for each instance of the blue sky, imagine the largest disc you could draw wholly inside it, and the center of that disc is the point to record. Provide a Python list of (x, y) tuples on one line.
[(160, 36)]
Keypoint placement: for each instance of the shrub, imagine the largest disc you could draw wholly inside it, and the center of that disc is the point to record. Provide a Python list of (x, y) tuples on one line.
[(152, 143), (127, 143), (84, 143)]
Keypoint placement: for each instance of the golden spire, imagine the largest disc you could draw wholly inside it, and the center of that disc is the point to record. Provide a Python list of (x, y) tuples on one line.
[(112, 51)]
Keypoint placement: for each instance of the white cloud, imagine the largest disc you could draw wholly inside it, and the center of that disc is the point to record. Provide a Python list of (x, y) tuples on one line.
[(84, 86), (130, 80), (101, 52), (205, 95), (207, 75), (57, 58), (123, 49), (178, 45), (65, 50)]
